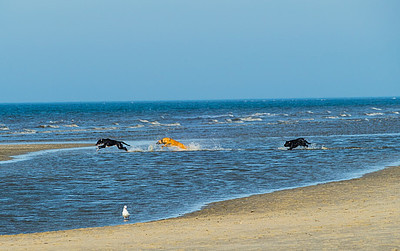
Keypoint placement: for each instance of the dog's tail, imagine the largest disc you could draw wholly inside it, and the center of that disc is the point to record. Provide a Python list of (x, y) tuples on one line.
[(125, 143)]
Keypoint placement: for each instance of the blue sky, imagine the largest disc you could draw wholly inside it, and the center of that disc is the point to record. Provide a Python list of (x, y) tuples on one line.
[(130, 50)]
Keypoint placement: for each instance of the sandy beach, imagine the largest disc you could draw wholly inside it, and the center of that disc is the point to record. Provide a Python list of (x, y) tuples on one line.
[(7, 151), (359, 214)]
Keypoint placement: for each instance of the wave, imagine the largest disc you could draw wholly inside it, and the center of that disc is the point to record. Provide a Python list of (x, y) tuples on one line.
[(287, 122), (104, 128), (25, 131), (261, 114), (48, 126), (135, 126), (236, 120), (209, 116), (267, 114), (71, 125), (254, 117), (374, 114), (3, 127), (156, 123), (251, 119), (172, 124), (57, 126)]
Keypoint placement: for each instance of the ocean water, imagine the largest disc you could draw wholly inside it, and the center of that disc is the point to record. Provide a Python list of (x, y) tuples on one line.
[(235, 150)]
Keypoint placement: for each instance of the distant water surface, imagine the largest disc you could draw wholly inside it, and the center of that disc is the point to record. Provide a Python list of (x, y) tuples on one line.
[(235, 149)]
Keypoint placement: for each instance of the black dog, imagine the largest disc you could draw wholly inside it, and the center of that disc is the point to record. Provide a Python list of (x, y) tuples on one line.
[(103, 143), (296, 142)]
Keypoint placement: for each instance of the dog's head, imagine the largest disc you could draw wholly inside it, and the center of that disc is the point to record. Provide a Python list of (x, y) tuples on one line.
[(100, 142), (288, 143), (162, 141)]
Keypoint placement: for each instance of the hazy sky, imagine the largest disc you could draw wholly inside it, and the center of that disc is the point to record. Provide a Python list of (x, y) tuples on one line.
[(81, 50)]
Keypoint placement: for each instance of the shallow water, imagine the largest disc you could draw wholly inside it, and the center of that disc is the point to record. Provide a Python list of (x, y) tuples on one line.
[(235, 149)]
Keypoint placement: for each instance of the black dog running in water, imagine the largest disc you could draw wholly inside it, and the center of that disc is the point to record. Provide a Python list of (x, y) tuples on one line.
[(103, 143), (296, 142)]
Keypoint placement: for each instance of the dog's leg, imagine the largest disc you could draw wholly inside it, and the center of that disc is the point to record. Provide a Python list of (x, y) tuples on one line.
[(166, 145), (125, 143), (99, 147), (123, 148), (120, 146)]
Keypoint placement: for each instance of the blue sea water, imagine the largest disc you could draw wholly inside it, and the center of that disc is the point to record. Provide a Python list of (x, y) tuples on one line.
[(235, 150)]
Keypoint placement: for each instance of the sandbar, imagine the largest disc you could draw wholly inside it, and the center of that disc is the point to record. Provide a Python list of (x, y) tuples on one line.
[(8, 151), (357, 214)]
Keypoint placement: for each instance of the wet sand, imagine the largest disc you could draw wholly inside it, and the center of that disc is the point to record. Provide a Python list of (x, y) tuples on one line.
[(7, 151), (359, 214)]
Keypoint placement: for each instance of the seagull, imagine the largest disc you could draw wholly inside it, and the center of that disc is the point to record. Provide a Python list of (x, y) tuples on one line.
[(125, 213)]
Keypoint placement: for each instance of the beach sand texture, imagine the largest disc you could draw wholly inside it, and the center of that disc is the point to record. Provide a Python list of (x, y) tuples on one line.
[(359, 214), (6, 151)]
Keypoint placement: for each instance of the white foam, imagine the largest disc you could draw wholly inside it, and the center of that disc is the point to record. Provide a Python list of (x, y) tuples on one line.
[(4, 128), (260, 114), (214, 121), (26, 131), (287, 122), (270, 114), (136, 126), (374, 114), (143, 148), (146, 146), (251, 119), (212, 116), (234, 121), (71, 125), (48, 126), (156, 123), (193, 147), (172, 124), (104, 128)]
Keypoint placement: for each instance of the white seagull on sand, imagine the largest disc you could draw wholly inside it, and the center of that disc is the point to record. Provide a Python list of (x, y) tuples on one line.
[(125, 213)]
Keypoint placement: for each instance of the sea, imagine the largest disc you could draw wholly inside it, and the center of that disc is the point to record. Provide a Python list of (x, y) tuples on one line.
[(235, 149)]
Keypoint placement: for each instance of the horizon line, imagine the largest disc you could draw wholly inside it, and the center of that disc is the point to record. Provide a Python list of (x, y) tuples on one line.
[(198, 100)]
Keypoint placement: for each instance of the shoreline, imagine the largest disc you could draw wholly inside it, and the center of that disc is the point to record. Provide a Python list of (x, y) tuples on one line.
[(10, 151), (361, 213)]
